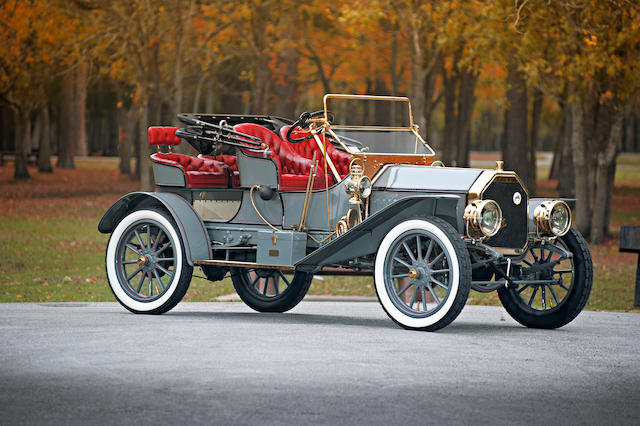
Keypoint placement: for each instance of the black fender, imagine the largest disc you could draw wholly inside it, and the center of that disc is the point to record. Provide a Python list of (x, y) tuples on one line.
[(190, 225), (364, 238)]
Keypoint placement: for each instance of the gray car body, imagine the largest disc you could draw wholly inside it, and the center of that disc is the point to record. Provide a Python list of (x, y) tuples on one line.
[(399, 192)]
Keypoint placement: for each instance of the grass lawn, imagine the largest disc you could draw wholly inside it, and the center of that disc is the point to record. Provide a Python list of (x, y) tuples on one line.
[(52, 252)]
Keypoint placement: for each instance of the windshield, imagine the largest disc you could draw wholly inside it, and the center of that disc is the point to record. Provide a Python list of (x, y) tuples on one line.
[(382, 141), (374, 124)]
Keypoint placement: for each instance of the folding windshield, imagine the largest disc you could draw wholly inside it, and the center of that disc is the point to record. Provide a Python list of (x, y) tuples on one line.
[(374, 124)]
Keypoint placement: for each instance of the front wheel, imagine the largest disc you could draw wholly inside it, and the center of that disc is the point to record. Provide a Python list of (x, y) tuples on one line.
[(270, 290), (553, 287), (146, 264), (422, 274)]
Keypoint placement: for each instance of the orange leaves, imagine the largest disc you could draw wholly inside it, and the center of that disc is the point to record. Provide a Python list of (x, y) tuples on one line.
[(591, 40), (607, 95)]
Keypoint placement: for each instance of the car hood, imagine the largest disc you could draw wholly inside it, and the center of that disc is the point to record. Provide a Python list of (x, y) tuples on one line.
[(426, 178)]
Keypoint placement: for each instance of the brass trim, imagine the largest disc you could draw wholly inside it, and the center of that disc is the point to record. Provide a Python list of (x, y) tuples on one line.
[(477, 190), (411, 128), (375, 164), (354, 217), (413, 273), (242, 264), (374, 128), (341, 226), (327, 158), (367, 97), (486, 178)]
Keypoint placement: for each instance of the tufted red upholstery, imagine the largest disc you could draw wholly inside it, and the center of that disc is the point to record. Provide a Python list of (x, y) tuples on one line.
[(293, 168), (199, 172), (339, 158), (163, 136), (230, 162)]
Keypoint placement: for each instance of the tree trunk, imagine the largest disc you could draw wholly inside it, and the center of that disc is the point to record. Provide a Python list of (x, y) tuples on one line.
[(286, 81), (146, 181), (431, 96), (80, 109), (260, 14), (149, 116), (22, 143), (466, 102), (536, 110), (449, 137), (126, 139), (579, 149), (44, 152), (606, 170), (66, 141), (418, 73), (210, 98), (198, 93), (515, 148), (563, 170), (261, 85)]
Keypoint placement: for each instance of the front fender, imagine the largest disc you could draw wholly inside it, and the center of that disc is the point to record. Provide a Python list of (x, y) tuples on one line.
[(190, 225), (364, 238)]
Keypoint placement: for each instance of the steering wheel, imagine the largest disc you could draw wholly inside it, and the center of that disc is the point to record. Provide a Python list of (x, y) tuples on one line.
[(303, 123)]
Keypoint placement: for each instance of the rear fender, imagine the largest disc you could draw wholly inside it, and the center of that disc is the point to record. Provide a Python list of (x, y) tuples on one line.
[(190, 225)]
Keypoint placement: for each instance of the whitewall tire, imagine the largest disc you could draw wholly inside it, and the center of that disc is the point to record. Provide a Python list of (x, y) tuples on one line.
[(146, 264), (422, 274)]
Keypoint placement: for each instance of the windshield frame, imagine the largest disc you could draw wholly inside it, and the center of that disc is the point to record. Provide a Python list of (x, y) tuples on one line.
[(413, 128)]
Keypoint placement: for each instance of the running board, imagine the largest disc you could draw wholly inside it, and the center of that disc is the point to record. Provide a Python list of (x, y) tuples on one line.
[(209, 262)]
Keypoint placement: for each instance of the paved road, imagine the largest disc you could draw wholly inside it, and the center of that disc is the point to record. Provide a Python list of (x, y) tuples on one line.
[(325, 362)]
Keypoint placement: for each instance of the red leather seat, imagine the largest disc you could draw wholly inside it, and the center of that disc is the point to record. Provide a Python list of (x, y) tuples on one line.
[(293, 168), (340, 159), (163, 135), (199, 172), (230, 162)]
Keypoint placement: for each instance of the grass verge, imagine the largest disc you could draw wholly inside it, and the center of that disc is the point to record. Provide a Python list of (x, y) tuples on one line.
[(52, 252)]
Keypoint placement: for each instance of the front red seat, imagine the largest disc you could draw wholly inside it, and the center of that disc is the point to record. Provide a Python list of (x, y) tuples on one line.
[(339, 158), (293, 168)]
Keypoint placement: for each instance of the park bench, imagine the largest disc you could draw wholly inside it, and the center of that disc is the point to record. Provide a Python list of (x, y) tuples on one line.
[(630, 243), (32, 157)]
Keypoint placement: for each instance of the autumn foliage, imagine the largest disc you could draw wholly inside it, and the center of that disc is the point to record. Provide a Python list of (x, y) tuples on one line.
[(503, 75)]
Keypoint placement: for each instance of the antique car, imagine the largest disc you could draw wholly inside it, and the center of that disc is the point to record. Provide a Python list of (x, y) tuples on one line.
[(273, 203)]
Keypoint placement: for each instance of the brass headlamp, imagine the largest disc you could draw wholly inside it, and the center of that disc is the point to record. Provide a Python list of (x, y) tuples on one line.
[(483, 218), (552, 217), (358, 185)]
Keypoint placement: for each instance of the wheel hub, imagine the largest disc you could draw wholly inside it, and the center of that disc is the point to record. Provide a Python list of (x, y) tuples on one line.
[(147, 261), (420, 273)]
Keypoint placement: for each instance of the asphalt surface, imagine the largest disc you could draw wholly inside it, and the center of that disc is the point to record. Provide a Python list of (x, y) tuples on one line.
[(324, 362)]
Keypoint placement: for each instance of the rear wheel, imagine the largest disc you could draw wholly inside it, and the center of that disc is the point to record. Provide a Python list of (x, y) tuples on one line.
[(270, 290), (552, 287), (146, 264)]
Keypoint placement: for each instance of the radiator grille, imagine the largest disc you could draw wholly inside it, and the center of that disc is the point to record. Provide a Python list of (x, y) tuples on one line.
[(514, 234)]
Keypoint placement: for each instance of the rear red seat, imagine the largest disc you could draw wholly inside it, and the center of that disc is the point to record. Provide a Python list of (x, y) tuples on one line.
[(293, 168), (339, 158), (199, 172), (231, 162), (163, 135)]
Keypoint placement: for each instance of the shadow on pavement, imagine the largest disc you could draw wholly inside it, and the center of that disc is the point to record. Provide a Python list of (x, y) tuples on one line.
[(293, 318), (457, 327)]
